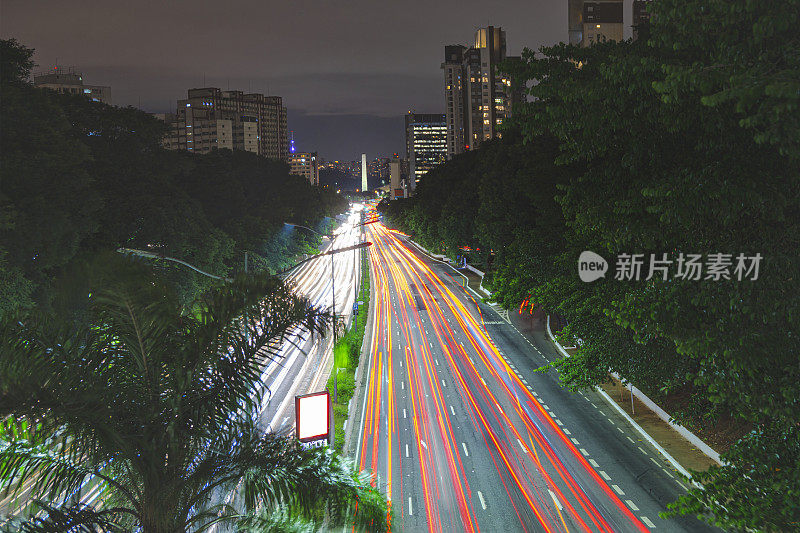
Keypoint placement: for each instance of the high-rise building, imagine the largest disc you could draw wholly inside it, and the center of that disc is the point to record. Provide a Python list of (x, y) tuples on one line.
[(211, 118), (598, 20), (68, 81), (305, 164), (426, 144), (478, 98)]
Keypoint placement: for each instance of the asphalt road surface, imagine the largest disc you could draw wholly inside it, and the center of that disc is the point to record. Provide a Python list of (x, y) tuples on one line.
[(463, 435)]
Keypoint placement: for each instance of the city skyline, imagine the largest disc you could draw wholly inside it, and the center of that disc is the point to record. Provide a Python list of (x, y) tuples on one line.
[(343, 98)]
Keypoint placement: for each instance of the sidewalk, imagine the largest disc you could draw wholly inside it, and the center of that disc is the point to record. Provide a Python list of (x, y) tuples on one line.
[(662, 433)]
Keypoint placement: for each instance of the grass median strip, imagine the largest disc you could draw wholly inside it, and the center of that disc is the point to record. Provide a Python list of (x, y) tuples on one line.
[(346, 356)]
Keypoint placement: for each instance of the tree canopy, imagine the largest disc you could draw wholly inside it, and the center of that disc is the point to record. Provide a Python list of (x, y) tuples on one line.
[(78, 177)]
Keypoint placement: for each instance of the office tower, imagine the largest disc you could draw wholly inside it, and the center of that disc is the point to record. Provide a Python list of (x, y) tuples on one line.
[(478, 98), (613, 20), (426, 144), (70, 82), (211, 118), (305, 164), (364, 183)]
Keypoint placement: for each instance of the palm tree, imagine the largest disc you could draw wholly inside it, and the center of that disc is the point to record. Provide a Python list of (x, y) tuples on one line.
[(155, 403)]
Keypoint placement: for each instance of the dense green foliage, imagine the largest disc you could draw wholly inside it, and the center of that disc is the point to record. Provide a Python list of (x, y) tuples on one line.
[(77, 177), (682, 142), (157, 404)]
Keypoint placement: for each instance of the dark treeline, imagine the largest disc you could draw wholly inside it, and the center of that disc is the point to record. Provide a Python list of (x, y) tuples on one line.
[(79, 177), (682, 142)]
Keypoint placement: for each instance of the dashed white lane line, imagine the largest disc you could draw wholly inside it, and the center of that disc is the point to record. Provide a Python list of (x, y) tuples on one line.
[(401, 363), (406, 450), (642, 450), (618, 490), (405, 415), (620, 430), (403, 385), (604, 475), (555, 500), (593, 404), (566, 432), (601, 412), (521, 446), (575, 441), (534, 393), (583, 451), (632, 505), (594, 463), (559, 422), (612, 422), (424, 445), (630, 439), (452, 410), (667, 473), (437, 361), (410, 510), (464, 445), (656, 462), (545, 407), (444, 384), (648, 523), (483, 502)]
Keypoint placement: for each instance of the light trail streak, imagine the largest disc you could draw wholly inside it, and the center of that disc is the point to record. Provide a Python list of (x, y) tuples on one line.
[(527, 480)]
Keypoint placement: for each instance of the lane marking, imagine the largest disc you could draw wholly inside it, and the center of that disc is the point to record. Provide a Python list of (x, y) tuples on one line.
[(618, 490), (452, 410), (584, 452), (632, 505), (444, 384), (667, 473), (483, 502), (656, 462), (566, 432), (521, 446), (575, 441), (406, 450), (647, 521), (642, 450), (403, 385), (612, 422), (630, 439), (545, 407), (410, 511), (424, 445), (464, 445), (559, 422), (404, 413), (620, 430), (605, 476), (437, 362), (601, 412), (594, 463), (555, 500)]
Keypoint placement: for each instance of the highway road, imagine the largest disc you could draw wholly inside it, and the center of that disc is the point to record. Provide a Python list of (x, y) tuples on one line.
[(461, 433)]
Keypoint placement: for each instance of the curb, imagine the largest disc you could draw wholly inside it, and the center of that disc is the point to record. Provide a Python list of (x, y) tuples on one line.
[(628, 418)]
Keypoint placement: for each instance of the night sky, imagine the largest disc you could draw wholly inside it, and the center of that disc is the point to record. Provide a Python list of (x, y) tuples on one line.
[(347, 71)]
